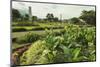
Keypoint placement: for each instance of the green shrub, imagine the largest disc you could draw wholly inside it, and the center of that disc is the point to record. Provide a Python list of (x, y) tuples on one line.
[(75, 44), (24, 24), (43, 28), (18, 29), (54, 27), (28, 38), (32, 55), (38, 28)]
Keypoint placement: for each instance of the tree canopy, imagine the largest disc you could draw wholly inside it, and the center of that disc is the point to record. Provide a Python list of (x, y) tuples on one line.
[(34, 18), (15, 14), (75, 20), (89, 17), (50, 17)]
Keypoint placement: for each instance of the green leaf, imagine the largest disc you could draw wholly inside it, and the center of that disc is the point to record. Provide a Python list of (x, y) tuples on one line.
[(76, 53), (65, 49)]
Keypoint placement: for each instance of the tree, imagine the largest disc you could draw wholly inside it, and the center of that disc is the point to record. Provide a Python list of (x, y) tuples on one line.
[(26, 18), (34, 18), (89, 17), (15, 15), (56, 19), (50, 17), (74, 20)]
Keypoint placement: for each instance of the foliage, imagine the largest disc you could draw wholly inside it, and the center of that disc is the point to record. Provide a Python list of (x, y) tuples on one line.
[(56, 19), (75, 44), (32, 28), (34, 53), (28, 38), (50, 17), (34, 18), (18, 29), (89, 17), (26, 18), (75, 20), (15, 15), (24, 24)]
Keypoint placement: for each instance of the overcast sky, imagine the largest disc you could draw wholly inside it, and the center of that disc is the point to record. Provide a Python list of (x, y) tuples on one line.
[(41, 9)]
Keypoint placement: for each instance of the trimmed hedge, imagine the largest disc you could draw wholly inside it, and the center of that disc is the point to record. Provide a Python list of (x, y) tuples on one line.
[(38, 28), (24, 24), (21, 29), (28, 38), (18, 29)]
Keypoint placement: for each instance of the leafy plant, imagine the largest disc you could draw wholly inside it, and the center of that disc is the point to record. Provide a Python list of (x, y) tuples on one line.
[(28, 38), (75, 44)]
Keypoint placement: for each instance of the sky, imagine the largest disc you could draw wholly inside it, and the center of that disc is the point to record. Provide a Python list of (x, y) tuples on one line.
[(42, 9)]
